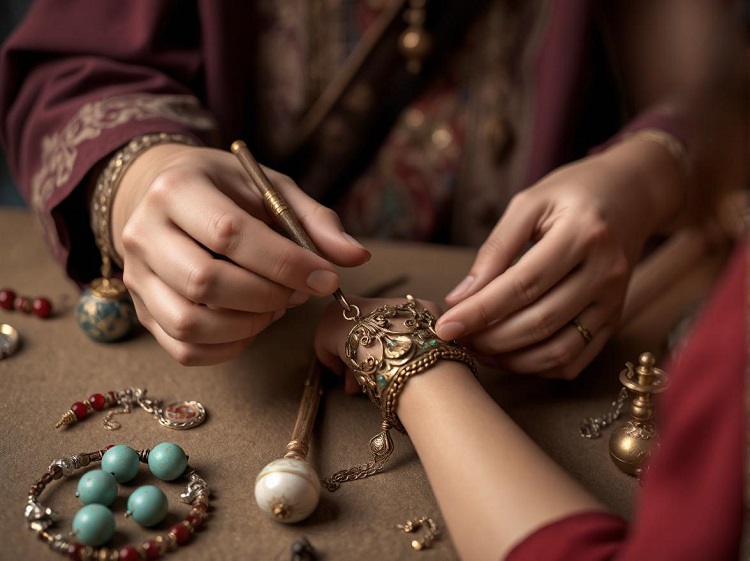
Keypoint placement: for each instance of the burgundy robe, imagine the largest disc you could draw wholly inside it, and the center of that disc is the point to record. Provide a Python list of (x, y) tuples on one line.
[(80, 78)]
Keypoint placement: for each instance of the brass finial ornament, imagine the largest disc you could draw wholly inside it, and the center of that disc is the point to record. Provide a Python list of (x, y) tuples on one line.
[(288, 489), (632, 443)]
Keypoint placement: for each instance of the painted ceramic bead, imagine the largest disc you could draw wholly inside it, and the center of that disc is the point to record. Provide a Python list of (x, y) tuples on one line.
[(288, 490), (122, 462), (105, 311), (147, 505), (94, 525), (167, 461), (97, 487)]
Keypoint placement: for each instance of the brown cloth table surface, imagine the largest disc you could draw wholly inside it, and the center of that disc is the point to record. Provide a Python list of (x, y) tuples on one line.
[(252, 405)]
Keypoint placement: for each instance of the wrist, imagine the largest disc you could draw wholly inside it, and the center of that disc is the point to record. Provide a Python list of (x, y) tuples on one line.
[(108, 185), (392, 345), (658, 163)]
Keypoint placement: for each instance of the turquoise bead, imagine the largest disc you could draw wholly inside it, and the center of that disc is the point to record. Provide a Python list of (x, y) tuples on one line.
[(122, 462), (147, 505), (94, 525), (97, 487), (167, 461)]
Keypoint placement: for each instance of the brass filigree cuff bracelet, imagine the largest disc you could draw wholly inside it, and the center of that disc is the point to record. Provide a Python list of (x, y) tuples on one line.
[(384, 349), (397, 342), (109, 181)]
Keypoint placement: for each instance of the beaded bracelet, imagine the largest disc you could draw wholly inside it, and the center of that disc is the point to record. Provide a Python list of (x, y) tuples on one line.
[(40, 518), (401, 342), (179, 415)]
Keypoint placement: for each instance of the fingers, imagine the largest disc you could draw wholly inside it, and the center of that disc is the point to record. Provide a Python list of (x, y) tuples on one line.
[(194, 273), (188, 354), (506, 241), (522, 284), (322, 225), (212, 219), (562, 356)]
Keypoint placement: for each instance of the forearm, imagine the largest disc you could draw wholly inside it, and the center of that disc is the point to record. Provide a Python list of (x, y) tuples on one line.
[(493, 484), (682, 67)]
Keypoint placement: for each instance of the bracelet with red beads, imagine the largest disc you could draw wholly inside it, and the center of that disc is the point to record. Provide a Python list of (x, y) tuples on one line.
[(80, 409), (40, 518), (40, 307)]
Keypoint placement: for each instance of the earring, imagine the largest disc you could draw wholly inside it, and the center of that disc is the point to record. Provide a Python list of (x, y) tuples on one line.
[(430, 536), (415, 43)]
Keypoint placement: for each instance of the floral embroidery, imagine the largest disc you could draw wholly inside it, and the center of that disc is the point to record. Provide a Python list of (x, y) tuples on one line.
[(60, 149)]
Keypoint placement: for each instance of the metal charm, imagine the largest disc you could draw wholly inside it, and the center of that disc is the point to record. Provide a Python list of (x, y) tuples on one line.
[(9, 340), (181, 415)]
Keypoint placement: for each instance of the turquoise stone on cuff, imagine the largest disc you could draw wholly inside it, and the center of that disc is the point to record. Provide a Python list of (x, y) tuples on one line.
[(382, 380), (122, 462), (94, 525), (167, 461), (147, 505), (97, 487)]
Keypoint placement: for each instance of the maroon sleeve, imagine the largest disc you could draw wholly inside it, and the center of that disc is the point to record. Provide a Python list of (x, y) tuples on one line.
[(80, 78), (691, 505)]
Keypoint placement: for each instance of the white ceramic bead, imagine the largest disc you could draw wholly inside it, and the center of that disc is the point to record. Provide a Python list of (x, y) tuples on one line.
[(288, 490)]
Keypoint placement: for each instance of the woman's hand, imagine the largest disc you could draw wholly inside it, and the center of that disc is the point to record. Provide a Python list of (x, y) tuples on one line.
[(586, 225), (206, 270)]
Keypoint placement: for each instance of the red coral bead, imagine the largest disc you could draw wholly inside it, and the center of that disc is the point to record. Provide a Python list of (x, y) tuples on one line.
[(151, 549), (195, 520), (41, 307), (74, 551), (129, 553), (7, 298), (79, 408), (22, 304), (180, 532), (97, 401)]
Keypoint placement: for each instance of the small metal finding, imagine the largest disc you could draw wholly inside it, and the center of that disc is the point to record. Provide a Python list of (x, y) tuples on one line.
[(302, 550), (430, 536), (9, 340)]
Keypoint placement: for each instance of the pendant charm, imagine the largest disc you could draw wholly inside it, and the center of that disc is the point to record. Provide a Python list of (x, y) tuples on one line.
[(105, 311), (181, 415)]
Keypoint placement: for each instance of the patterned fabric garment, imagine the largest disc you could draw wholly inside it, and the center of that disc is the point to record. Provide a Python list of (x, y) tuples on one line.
[(441, 145)]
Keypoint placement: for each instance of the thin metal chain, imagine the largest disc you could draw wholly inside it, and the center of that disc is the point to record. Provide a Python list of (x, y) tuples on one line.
[(591, 427), (127, 399)]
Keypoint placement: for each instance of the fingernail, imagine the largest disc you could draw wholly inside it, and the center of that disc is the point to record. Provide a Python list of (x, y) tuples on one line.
[(352, 241), (278, 314), (298, 297), (451, 330), (461, 287), (323, 282)]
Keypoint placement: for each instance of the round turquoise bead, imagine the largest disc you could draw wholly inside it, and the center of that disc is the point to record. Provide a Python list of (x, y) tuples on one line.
[(167, 461), (97, 487), (122, 462), (147, 505), (94, 525)]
